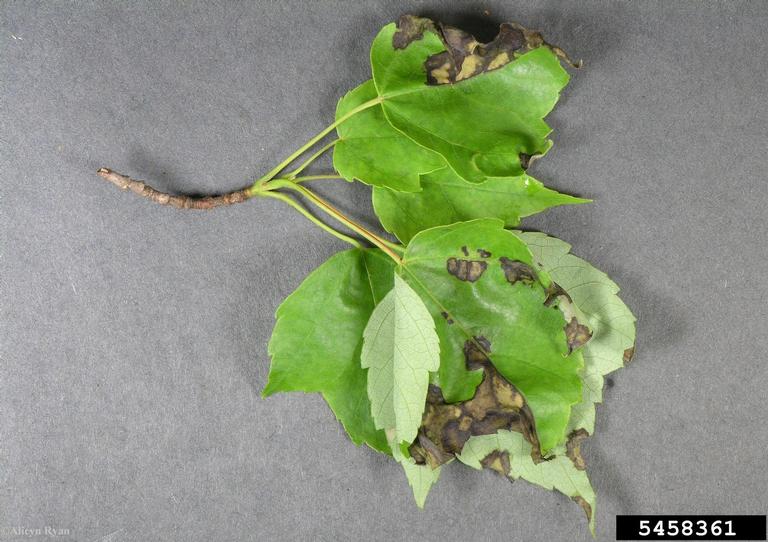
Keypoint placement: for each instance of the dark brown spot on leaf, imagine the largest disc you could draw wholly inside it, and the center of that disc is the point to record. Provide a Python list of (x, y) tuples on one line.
[(534, 39), (447, 317), (526, 160), (553, 291), (629, 353), (409, 29), (476, 352), (496, 405), (465, 423), (584, 506), (497, 461), (576, 334), (417, 454), (483, 253), (492, 422), (464, 250), (466, 57), (440, 69), (453, 438), (573, 448), (434, 394), (468, 270), (516, 270), (433, 455)]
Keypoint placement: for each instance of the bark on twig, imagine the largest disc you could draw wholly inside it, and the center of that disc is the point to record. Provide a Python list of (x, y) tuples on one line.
[(180, 202)]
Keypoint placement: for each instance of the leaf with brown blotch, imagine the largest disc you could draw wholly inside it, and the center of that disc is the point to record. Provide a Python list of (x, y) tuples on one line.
[(490, 106), (509, 450), (608, 318)]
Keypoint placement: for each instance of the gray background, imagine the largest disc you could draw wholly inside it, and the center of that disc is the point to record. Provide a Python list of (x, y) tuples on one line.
[(134, 336)]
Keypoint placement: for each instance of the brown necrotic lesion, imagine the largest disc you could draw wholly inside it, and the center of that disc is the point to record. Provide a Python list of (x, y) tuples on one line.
[(497, 461), (554, 292), (447, 317), (517, 271), (496, 405), (573, 447), (629, 353), (467, 270), (465, 56), (409, 29), (584, 506), (576, 334)]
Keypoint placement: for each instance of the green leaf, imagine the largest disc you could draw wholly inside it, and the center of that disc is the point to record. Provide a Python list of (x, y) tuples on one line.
[(481, 124), (318, 336), (446, 198), (478, 281), (611, 321), (371, 150), (560, 473), (421, 478), (400, 348)]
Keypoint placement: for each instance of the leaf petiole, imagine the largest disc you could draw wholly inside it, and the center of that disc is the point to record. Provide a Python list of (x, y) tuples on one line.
[(318, 154), (301, 150), (308, 178), (386, 246), (394, 246), (282, 197)]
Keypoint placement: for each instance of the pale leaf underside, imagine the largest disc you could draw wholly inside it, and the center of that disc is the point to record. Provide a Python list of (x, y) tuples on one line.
[(400, 349), (558, 473)]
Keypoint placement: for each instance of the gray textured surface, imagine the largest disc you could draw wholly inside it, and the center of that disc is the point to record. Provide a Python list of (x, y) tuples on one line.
[(133, 336)]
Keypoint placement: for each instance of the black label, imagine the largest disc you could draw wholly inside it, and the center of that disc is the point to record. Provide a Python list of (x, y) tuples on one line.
[(690, 527)]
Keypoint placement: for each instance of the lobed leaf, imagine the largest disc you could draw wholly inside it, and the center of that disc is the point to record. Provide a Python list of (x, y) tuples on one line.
[(370, 150), (481, 124), (509, 453), (446, 198), (478, 281), (318, 337), (424, 192), (611, 321)]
